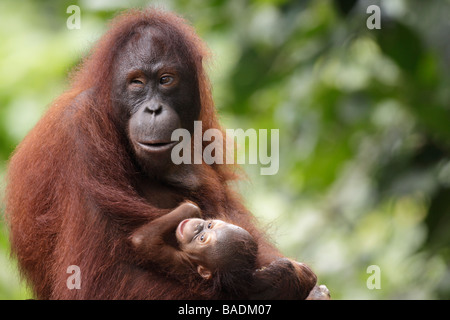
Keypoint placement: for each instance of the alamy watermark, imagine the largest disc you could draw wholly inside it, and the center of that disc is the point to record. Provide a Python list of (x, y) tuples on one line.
[(374, 20), (74, 20), (216, 152), (374, 280), (74, 280)]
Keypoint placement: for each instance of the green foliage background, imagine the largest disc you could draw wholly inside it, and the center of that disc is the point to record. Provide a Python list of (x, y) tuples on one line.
[(364, 121)]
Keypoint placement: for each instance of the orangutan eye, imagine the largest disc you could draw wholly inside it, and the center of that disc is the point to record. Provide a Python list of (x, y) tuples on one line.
[(166, 80), (137, 83), (202, 238), (210, 225)]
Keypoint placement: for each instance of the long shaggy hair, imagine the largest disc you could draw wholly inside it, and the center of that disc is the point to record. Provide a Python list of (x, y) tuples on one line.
[(71, 193)]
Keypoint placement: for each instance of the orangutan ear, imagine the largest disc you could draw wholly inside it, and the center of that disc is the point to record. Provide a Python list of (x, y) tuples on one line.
[(204, 272)]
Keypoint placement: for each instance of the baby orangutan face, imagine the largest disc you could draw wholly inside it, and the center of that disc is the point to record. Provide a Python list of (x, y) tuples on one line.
[(212, 244)]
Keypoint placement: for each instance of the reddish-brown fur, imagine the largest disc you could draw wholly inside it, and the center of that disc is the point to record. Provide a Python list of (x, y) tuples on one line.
[(71, 193)]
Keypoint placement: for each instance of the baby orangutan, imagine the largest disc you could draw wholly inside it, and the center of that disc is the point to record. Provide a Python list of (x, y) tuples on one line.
[(220, 252), (187, 247)]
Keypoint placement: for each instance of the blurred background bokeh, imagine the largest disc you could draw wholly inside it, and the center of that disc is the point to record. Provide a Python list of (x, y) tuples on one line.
[(364, 119)]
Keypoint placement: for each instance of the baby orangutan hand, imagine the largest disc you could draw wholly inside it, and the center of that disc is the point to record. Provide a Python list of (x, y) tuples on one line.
[(188, 210), (140, 239)]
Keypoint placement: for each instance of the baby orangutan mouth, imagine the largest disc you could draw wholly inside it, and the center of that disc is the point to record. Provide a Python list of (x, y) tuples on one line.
[(180, 228)]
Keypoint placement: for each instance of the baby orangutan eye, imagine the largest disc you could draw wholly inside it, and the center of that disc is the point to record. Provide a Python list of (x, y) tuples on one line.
[(210, 225)]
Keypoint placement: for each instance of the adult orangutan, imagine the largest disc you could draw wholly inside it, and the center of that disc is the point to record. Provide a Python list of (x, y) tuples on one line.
[(97, 167)]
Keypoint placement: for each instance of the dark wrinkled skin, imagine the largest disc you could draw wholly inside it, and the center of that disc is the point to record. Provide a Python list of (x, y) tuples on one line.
[(149, 111)]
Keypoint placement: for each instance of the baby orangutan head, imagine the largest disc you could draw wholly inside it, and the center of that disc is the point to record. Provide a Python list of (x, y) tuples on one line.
[(216, 246)]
